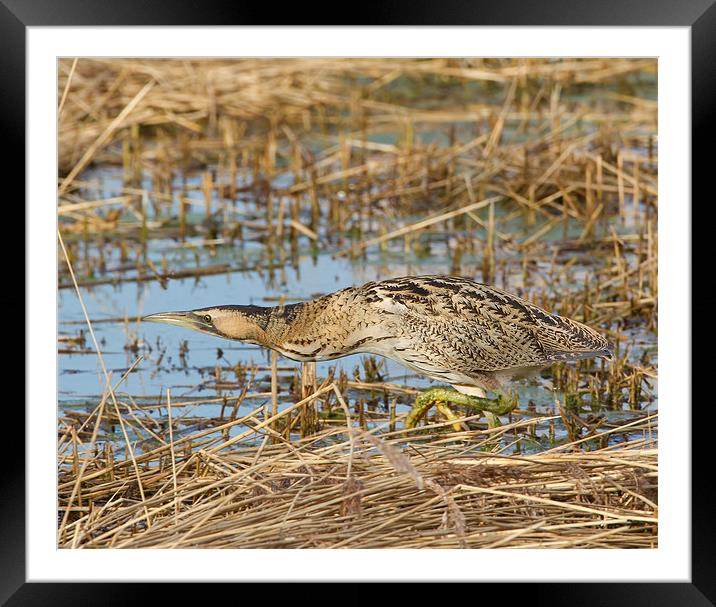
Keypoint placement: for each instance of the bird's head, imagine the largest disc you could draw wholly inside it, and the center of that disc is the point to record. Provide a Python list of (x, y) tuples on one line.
[(244, 323)]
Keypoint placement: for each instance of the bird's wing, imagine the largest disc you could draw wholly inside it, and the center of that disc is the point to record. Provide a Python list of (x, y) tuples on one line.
[(481, 328)]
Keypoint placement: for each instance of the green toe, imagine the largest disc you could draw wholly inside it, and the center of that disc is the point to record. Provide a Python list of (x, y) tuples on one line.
[(502, 405)]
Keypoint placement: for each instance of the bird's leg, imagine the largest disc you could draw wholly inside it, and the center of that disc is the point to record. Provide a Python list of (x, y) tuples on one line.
[(502, 405), (439, 397), (423, 402)]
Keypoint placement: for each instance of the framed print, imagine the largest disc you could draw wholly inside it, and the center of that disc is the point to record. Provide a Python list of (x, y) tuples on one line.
[(390, 295)]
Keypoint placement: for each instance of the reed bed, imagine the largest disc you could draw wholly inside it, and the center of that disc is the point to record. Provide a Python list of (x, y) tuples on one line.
[(348, 488), (297, 142), (539, 176), (546, 187)]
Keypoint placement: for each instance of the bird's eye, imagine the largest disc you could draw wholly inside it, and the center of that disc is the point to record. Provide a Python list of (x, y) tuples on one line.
[(207, 318)]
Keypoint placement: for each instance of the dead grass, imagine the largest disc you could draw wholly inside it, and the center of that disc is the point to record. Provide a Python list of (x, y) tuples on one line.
[(363, 490)]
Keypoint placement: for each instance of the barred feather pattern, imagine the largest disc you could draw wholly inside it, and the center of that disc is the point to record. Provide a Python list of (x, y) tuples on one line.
[(448, 328)]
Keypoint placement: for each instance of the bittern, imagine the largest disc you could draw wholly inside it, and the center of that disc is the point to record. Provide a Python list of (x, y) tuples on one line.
[(454, 330)]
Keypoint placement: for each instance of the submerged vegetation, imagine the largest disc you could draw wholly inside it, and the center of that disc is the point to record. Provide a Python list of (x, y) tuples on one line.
[(275, 180)]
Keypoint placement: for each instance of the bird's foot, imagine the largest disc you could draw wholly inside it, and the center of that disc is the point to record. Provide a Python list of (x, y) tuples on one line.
[(440, 397), (502, 405)]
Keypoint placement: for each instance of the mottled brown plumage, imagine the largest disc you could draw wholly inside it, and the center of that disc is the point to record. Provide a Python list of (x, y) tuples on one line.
[(451, 329)]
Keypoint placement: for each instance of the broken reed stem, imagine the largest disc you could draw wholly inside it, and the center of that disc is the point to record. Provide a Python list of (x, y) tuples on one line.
[(417, 226), (272, 419), (308, 387), (274, 387), (349, 425)]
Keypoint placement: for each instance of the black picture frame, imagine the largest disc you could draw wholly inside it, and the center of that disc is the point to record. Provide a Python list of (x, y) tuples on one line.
[(699, 15)]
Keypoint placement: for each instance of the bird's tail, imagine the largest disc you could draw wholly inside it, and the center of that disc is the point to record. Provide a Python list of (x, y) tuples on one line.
[(566, 339)]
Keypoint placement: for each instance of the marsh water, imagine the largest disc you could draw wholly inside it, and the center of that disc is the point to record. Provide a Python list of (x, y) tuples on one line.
[(237, 212), (205, 374)]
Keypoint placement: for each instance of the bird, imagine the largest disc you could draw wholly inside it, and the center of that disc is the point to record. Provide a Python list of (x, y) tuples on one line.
[(471, 336)]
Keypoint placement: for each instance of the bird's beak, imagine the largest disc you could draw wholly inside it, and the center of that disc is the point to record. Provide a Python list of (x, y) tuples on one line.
[(188, 320)]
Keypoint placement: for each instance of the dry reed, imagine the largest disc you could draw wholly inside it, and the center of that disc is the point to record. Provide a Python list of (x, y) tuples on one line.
[(366, 490)]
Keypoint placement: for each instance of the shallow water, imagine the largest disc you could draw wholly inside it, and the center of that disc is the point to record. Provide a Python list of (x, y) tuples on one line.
[(185, 361), (252, 271)]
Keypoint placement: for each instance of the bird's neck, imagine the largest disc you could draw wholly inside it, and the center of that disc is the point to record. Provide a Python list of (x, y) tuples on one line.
[(279, 322)]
